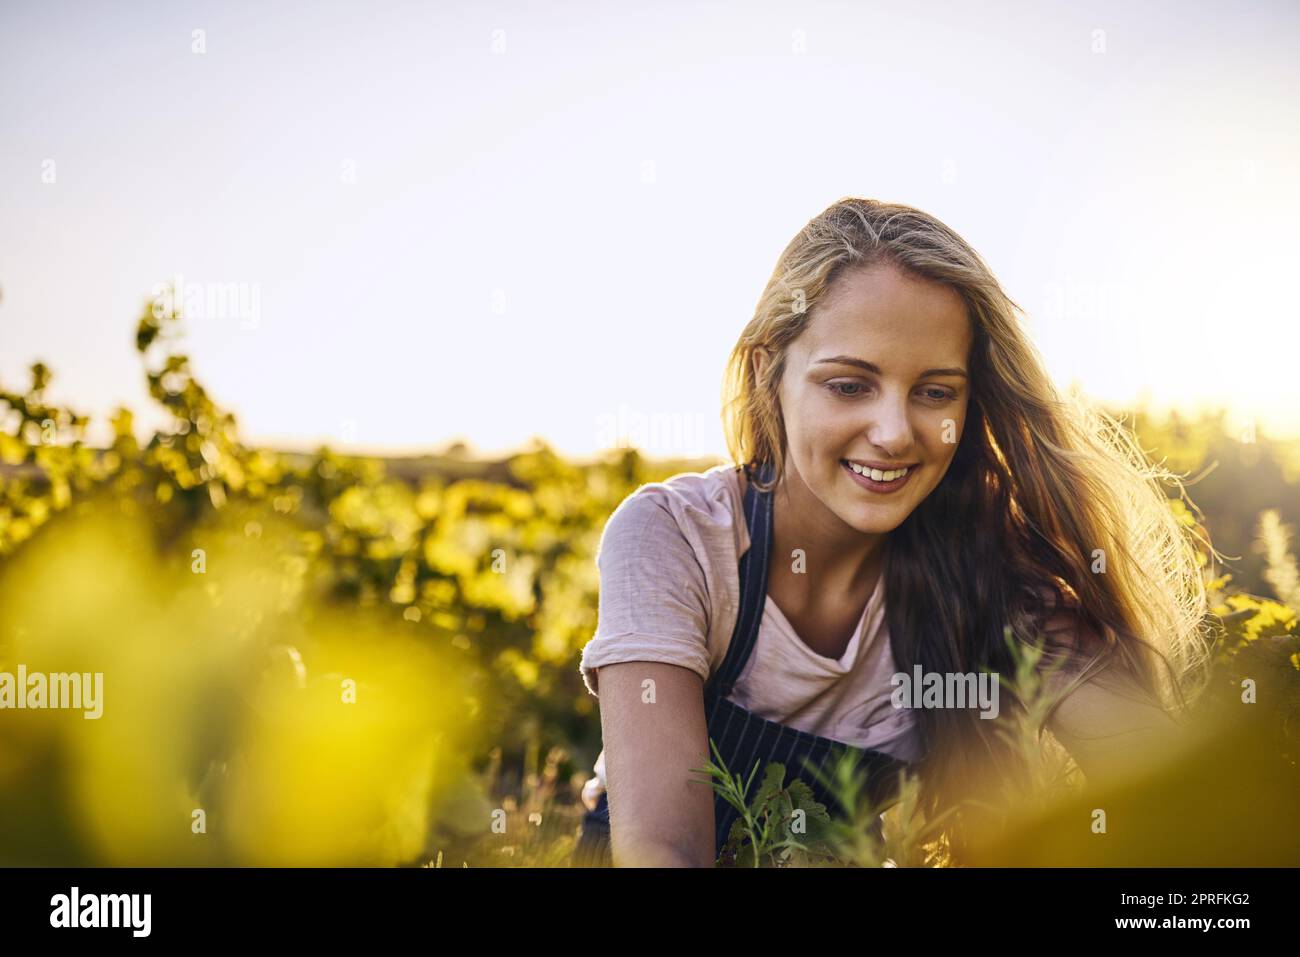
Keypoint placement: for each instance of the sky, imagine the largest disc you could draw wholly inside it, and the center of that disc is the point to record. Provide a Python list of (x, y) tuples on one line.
[(399, 225)]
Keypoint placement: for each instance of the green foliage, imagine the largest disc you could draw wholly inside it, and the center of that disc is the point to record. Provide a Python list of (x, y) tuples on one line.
[(490, 566), (777, 826), (498, 565)]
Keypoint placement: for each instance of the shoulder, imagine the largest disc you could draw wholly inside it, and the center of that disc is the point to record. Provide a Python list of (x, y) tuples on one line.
[(711, 493), (659, 558), (695, 506), (1075, 644), (1058, 621)]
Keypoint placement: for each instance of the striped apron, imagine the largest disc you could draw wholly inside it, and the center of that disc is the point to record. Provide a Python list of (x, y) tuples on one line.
[(744, 738)]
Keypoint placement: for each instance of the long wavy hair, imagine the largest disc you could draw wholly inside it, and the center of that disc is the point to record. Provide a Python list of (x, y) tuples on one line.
[(1038, 483)]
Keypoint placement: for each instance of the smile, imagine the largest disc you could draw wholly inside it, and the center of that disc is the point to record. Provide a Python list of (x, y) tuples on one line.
[(889, 481)]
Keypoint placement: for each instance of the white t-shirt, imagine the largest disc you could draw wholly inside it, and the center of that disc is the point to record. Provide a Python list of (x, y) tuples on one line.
[(670, 592)]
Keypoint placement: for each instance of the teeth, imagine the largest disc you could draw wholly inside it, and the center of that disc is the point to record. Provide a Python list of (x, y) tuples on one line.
[(876, 474)]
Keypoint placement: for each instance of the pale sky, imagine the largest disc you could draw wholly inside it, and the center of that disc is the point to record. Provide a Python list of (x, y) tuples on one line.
[(497, 220)]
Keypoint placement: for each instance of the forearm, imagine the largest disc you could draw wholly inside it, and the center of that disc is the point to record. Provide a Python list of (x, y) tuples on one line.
[(651, 853)]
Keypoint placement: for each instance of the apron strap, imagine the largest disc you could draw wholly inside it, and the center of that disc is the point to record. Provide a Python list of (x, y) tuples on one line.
[(753, 588)]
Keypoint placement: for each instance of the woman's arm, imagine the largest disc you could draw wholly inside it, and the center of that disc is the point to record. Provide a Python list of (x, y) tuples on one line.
[(1113, 730), (1111, 726), (660, 812)]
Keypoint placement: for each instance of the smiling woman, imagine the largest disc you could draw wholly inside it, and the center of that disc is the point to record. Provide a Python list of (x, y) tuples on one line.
[(901, 452)]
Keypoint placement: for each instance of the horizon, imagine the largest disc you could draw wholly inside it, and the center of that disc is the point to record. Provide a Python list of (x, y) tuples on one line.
[(404, 227)]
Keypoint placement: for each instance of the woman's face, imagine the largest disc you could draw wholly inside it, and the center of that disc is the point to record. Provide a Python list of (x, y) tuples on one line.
[(879, 378)]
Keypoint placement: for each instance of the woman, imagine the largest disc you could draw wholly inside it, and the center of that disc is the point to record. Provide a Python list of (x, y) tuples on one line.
[(912, 484)]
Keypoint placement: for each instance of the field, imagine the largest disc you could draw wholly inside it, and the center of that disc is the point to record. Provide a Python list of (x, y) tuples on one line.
[(326, 659)]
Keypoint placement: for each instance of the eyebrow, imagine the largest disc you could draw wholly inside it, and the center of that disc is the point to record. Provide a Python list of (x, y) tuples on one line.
[(875, 369)]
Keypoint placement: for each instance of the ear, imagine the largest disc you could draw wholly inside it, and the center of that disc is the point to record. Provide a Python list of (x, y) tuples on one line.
[(760, 358)]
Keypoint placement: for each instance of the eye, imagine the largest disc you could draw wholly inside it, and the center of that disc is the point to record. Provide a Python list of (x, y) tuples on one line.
[(851, 390), (940, 395)]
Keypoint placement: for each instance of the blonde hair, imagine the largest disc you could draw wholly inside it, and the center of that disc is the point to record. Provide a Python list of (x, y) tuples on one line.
[(1047, 480)]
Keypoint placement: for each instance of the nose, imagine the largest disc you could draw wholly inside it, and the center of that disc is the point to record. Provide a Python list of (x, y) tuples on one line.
[(890, 429)]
